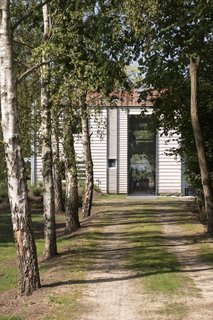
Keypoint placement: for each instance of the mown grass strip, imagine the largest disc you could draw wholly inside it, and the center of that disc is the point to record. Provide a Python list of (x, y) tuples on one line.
[(159, 269), (10, 318), (195, 232)]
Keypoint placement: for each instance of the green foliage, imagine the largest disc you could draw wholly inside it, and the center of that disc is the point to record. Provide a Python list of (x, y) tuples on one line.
[(3, 191), (37, 191), (26, 37), (85, 43), (97, 188), (165, 36)]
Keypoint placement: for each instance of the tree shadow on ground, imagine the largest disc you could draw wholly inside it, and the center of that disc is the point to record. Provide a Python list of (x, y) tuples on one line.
[(142, 250)]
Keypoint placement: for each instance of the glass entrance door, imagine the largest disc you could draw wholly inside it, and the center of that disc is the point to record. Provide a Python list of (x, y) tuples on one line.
[(141, 156)]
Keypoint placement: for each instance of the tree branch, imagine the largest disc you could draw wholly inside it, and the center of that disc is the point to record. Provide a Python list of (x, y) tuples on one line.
[(25, 74), (23, 44)]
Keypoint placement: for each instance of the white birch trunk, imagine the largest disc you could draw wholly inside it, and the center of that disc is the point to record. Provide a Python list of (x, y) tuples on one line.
[(50, 247), (56, 170), (71, 200), (89, 183), (17, 188)]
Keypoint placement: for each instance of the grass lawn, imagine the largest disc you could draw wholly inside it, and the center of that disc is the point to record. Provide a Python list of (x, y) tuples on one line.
[(8, 273), (161, 272)]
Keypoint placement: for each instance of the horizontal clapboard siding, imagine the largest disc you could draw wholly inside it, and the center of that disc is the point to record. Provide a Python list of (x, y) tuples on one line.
[(109, 141), (134, 111), (112, 180), (98, 132), (112, 132), (168, 166), (122, 150), (39, 166), (99, 149)]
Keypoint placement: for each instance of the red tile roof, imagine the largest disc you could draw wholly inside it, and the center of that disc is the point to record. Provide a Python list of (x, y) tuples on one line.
[(122, 98)]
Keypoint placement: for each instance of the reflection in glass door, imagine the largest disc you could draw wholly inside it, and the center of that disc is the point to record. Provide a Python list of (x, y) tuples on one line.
[(141, 156)]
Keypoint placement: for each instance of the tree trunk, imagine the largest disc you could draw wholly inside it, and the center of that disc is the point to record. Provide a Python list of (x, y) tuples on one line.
[(3, 173), (71, 200), (56, 170), (50, 248), (17, 187), (89, 184), (205, 178)]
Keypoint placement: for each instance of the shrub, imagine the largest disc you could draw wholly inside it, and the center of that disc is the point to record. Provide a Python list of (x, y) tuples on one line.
[(37, 191)]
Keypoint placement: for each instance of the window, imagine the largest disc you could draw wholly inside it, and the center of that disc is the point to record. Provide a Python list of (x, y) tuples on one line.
[(111, 163)]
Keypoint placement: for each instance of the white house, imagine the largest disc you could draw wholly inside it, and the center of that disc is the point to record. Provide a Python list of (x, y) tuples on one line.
[(128, 157)]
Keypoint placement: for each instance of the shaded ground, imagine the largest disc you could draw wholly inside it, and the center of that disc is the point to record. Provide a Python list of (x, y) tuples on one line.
[(122, 265)]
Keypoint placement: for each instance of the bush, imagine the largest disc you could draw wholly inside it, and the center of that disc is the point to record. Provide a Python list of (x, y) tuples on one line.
[(37, 191)]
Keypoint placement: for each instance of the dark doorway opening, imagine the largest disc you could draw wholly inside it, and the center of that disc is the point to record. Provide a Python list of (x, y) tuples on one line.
[(141, 156)]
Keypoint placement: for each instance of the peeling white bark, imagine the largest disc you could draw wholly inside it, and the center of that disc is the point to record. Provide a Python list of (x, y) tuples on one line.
[(50, 247), (71, 200), (17, 188), (56, 171), (89, 183)]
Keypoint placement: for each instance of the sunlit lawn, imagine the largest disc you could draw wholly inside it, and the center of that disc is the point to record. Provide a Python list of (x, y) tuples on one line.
[(8, 270)]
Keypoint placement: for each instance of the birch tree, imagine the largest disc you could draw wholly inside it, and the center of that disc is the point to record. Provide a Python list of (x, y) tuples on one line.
[(56, 162), (93, 33), (71, 174), (50, 247), (17, 188), (89, 180)]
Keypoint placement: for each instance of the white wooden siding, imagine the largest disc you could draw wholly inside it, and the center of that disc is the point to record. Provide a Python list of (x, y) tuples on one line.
[(115, 146), (122, 150), (98, 131), (38, 169), (134, 111), (112, 180), (78, 148), (99, 149), (168, 167), (112, 132)]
